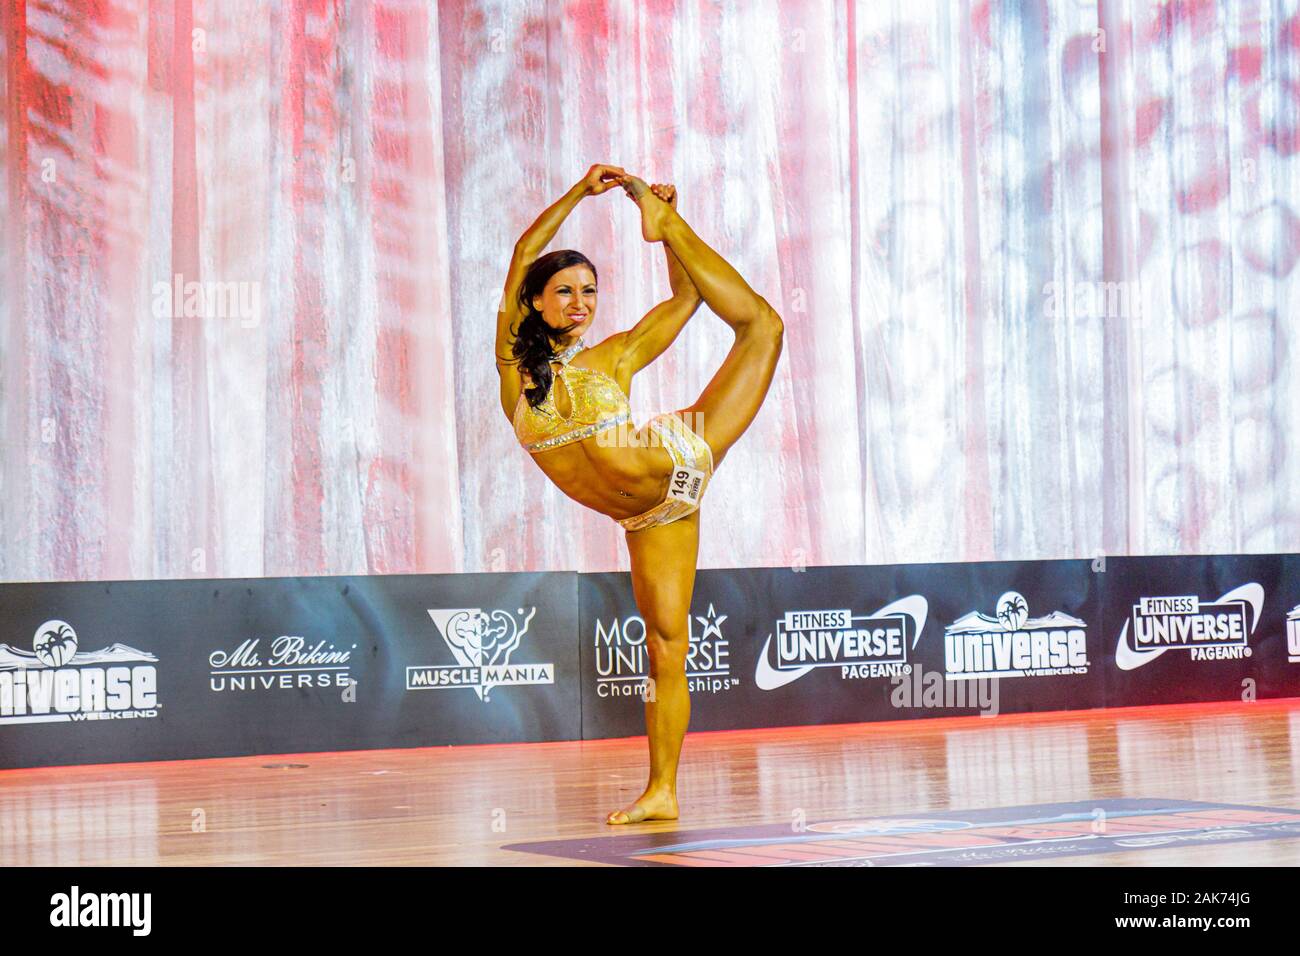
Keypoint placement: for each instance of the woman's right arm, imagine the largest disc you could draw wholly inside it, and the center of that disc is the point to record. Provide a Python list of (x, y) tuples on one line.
[(536, 237)]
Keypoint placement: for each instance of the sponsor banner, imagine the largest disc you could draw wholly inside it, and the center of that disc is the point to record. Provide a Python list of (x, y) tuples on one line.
[(156, 670), (95, 672), (945, 838), (778, 647), (1183, 629), (1026, 630)]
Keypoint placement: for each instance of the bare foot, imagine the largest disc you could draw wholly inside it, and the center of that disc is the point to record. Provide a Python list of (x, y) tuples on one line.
[(654, 211), (651, 805)]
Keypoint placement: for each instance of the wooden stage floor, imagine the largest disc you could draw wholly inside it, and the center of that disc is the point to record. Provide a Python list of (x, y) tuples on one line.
[(462, 805)]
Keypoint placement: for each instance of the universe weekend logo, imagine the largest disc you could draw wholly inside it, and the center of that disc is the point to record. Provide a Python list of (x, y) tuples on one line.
[(58, 680), (1013, 644)]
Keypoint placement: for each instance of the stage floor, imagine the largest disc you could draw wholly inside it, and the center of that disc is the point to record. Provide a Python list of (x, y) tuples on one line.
[(1099, 788)]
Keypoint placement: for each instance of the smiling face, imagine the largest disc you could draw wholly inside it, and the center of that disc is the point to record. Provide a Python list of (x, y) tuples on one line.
[(569, 297)]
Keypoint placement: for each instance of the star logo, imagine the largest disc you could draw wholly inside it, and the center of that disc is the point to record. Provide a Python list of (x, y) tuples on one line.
[(712, 624)]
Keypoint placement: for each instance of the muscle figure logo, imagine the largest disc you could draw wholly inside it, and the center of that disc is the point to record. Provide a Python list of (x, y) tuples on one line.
[(482, 643), (1208, 630), (875, 644), (1013, 644), (57, 681)]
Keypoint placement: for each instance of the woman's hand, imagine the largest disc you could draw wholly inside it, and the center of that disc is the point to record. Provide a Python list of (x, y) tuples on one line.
[(602, 176)]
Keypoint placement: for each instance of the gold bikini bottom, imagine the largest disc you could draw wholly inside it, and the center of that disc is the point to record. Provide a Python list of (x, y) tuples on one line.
[(693, 467)]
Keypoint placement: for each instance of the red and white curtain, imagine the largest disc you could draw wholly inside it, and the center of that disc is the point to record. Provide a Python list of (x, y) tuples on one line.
[(1036, 261)]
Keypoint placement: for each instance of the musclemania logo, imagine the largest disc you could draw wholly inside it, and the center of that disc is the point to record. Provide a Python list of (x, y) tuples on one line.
[(1208, 630), (1013, 644), (58, 682), (875, 644), (482, 644)]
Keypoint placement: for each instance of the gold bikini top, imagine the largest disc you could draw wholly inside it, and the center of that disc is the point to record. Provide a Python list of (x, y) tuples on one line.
[(598, 402)]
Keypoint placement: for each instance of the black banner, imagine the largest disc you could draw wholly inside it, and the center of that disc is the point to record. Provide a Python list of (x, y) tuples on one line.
[(157, 670), (94, 672), (778, 647), (1182, 629)]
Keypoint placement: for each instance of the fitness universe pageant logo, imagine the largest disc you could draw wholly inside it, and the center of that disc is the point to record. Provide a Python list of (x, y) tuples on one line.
[(622, 661), (57, 681), (875, 644), (482, 643), (1293, 635), (1208, 630), (1013, 644), (290, 665)]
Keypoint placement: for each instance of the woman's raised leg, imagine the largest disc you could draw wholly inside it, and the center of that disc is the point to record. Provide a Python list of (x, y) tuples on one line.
[(663, 581), (728, 404)]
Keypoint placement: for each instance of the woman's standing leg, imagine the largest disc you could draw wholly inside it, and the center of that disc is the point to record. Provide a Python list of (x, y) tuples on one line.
[(663, 581), (728, 404)]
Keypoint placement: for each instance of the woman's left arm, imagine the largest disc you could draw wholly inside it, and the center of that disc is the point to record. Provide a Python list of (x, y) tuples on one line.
[(529, 246)]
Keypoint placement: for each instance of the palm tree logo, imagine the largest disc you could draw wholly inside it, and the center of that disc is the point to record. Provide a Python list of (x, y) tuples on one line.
[(1012, 611), (55, 643)]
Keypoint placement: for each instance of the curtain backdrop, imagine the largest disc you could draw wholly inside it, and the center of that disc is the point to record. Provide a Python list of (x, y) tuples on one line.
[(1036, 262)]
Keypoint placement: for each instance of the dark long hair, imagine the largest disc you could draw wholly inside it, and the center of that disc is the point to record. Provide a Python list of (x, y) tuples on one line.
[(534, 346)]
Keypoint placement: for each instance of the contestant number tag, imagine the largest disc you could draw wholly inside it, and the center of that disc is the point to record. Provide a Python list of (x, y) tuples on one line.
[(687, 484)]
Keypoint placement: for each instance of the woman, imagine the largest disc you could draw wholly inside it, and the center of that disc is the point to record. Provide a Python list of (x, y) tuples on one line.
[(567, 401)]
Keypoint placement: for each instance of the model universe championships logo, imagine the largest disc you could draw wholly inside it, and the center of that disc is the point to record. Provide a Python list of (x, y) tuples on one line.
[(622, 660), (482, 644), (57, 681), (875, 644), (1013, 644), (1208, 630)]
